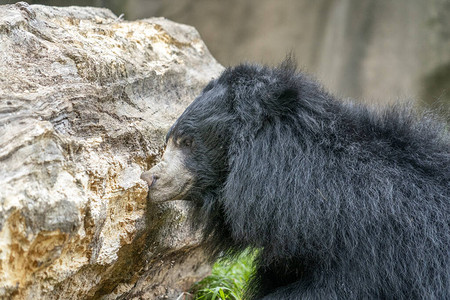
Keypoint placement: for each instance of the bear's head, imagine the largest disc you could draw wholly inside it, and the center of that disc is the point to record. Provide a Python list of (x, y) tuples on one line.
[(206, 139), (195, 158), (235, 123)]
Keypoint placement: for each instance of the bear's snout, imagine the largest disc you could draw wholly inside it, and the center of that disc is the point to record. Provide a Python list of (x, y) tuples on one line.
[(169, 179)]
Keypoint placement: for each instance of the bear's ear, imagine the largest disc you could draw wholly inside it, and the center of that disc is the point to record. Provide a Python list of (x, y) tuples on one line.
[(281, 101), (284, 92), (261, 92)]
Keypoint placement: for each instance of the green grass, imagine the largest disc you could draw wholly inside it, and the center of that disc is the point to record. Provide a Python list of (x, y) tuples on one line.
[(227, 280)]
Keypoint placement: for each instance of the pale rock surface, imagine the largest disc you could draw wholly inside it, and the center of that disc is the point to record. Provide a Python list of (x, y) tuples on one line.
[(85, 101)]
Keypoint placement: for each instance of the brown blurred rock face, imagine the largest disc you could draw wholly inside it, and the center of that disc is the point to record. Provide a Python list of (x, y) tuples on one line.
[(377, 51)]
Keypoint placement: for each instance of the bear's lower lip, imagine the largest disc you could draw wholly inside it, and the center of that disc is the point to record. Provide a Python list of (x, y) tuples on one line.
[(149, 198), (154, 196)]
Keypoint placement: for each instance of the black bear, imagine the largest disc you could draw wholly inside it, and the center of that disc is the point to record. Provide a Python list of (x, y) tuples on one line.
[(342, 201)]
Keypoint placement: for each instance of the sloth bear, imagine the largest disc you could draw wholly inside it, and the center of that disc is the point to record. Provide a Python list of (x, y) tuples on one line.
[(341, 201)]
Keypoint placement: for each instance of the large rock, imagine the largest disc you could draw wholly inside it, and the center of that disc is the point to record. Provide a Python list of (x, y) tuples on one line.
[(85, 101)]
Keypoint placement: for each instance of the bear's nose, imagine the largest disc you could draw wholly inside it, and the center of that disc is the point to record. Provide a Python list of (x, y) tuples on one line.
[(154, 178), (149, 178)]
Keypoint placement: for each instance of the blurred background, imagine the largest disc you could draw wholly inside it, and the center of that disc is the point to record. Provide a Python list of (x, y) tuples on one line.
[(378, 51)]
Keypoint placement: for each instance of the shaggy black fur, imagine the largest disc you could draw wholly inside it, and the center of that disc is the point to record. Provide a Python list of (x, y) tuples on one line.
[(343, 202)]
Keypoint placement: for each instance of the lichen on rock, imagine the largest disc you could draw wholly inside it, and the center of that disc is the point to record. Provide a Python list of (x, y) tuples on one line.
[(85, 100)]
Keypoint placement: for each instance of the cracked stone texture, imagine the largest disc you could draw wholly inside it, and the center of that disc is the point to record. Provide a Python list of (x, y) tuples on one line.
[(85, 101)]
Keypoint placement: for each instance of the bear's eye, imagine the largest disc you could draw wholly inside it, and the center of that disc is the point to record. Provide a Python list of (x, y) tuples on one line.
[(186, 142)]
